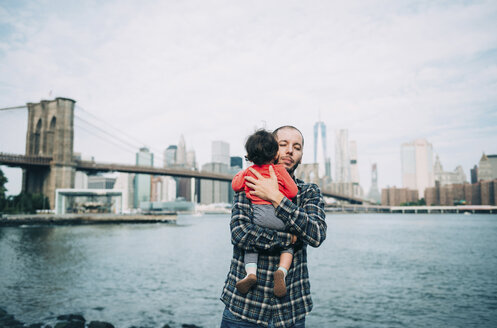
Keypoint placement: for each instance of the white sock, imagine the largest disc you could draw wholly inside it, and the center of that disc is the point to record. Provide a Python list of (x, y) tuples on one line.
[(251, 268), (285, 271)]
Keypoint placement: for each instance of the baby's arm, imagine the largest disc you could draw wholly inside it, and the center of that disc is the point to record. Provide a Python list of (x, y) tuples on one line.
[(238, 182), (286, 183)]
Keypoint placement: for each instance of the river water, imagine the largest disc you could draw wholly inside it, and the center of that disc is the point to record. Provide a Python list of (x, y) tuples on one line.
[(373, 270)]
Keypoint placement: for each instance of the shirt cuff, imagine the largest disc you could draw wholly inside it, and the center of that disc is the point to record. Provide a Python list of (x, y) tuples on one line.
[(285, 209)]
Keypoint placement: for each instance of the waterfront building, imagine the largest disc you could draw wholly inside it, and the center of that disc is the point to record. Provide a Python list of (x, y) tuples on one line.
[(163, 189), (125, 182), (447, 178), (417, 165), (101, 182), (320, 151), (398, 196), (374, 193), (480, 193), (493, 163), (80, 180), (142, 185), (79, 201), (474, 174), (487, 167)]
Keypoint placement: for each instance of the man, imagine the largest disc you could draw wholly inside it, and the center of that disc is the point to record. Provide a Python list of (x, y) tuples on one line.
[(304, 218)]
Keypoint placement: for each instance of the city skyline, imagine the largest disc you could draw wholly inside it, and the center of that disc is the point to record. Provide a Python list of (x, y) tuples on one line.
[(396, 72)]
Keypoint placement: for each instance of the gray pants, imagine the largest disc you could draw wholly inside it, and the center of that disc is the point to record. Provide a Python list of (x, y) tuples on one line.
[(264, 216)]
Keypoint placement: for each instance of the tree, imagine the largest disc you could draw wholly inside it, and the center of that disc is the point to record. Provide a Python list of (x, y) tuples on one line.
[(3, 189)]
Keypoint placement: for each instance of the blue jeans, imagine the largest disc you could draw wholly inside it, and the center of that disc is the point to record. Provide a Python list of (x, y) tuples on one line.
[(230, 321)]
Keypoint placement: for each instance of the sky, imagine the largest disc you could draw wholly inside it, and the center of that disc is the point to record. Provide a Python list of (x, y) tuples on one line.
[(388, 71)]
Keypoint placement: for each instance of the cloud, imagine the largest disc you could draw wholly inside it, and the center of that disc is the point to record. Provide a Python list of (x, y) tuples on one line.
[(390, 72)]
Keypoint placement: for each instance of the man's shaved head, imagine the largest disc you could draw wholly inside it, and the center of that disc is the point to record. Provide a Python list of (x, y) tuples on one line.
[(275, 132)]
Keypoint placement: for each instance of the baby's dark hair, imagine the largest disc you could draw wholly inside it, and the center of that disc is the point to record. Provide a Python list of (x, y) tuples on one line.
[(261, 147)]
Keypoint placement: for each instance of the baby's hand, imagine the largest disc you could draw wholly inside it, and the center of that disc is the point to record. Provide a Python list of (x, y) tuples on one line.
[(294, 239)]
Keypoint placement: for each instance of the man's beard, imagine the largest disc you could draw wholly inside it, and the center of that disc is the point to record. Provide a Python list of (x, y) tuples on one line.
[(291, 170)]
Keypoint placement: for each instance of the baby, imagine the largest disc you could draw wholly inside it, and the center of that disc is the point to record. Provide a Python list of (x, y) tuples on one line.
[(262, 150)]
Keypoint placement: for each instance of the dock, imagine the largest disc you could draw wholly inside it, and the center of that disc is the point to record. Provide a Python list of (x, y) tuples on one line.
[(77, 219), (460, 209)]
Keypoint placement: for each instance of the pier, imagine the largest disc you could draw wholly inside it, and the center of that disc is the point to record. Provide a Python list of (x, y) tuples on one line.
[(470, 209), (74, 219)]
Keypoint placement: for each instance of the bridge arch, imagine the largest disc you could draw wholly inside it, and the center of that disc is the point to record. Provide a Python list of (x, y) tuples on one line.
[(51, 136), (37, 138)]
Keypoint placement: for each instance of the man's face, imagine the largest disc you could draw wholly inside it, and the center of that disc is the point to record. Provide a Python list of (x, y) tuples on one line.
[(290, 148)]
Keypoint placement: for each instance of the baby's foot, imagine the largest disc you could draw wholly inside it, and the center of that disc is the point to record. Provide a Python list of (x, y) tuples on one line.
[(246, 283), (279, 283)]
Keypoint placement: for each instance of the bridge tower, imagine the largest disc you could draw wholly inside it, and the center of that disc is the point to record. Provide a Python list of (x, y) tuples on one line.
[(50, 133)]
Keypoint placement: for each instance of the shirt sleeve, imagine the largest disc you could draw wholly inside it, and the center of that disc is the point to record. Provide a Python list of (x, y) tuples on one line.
[(307, 221), (238, 182), (249, 236), (286, 183)]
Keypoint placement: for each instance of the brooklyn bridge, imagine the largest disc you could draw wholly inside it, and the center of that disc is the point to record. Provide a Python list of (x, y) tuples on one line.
[(49, 162)]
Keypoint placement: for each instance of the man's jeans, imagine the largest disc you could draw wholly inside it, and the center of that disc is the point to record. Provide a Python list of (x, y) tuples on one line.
[(230, 321)]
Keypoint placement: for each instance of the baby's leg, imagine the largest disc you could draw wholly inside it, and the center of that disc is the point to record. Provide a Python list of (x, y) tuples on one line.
[(286, 259), (250, 279), (279, 276)]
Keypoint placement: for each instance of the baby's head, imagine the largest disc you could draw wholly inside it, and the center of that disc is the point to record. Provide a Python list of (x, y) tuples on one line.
[(261, 148)]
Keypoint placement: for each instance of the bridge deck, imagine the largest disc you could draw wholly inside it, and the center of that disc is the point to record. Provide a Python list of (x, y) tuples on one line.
[(23, 161)]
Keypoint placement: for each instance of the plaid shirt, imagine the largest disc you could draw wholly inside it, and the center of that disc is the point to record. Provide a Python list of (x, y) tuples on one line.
[(305, 218)]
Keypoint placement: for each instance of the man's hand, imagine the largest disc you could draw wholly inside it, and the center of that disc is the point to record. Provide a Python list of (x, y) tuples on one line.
[(265, 188)]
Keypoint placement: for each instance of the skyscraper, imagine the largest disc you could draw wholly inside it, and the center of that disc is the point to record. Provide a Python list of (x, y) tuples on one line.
[(320, 153), (221, 152), (448, 178), (142, 181), (181, 152), (216, 191), (354, 170), (374, 193), (170, 155), (417, 165), (342, 156), (485, 171), (236, 161), (191, 161)]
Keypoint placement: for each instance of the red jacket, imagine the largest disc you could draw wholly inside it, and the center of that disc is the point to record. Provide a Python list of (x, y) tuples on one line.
[(286, 184)]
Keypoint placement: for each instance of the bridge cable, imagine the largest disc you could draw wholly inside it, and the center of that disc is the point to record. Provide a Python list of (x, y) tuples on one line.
[(105, 132), (157, 152), (127, 150), (118, 130), (16, 107), (124, 142)]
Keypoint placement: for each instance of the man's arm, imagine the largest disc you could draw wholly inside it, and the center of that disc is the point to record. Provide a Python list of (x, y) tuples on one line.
[(249, 236), (306, 221)]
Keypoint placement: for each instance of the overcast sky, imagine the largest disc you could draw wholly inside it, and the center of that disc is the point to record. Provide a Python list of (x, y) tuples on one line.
[(388, 71)]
